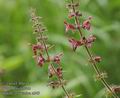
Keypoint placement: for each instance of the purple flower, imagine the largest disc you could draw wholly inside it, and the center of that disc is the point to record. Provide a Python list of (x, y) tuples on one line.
[(40, 60), (86, 24)]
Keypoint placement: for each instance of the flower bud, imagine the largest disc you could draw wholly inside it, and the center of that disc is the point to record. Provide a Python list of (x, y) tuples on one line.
[(97, 59), (101, 76), (50, 71)]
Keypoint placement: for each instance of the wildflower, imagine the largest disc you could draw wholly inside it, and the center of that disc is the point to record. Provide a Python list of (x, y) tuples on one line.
[(87, 42), (90, 40), (36, 47), (41, 48), (75, 43), (69, 26), (52, 72), (59, 72), (86, 24), (40, 60), (57, 58)]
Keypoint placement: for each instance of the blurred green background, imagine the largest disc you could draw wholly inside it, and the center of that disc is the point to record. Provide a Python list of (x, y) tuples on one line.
[(17, 64)]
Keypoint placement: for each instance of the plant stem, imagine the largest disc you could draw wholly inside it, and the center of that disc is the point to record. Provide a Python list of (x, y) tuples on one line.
[(43, 42), (60, 81), (53, 68), (98, 72)]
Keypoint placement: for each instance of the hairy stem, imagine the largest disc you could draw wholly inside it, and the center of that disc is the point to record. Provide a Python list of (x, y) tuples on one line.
[(98, 72), (39, 29), (60, 81), (53, 68)]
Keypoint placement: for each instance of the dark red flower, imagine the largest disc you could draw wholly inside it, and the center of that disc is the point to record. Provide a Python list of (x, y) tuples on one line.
[(59, 72), (75, 43), (40, 60), (69, 26), (36, 47), (57, 58), (86, 24), (51, 72)]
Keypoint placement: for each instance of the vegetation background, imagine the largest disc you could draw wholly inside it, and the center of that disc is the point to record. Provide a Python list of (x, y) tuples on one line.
[(17, 64)]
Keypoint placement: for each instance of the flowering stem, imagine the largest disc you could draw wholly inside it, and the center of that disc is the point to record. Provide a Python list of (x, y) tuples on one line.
[(40, 34), (60, 81), (53, 68), (104, 82), (42, 45)]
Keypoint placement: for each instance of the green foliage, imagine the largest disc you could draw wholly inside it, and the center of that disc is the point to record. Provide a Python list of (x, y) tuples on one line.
[(16, 55)]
